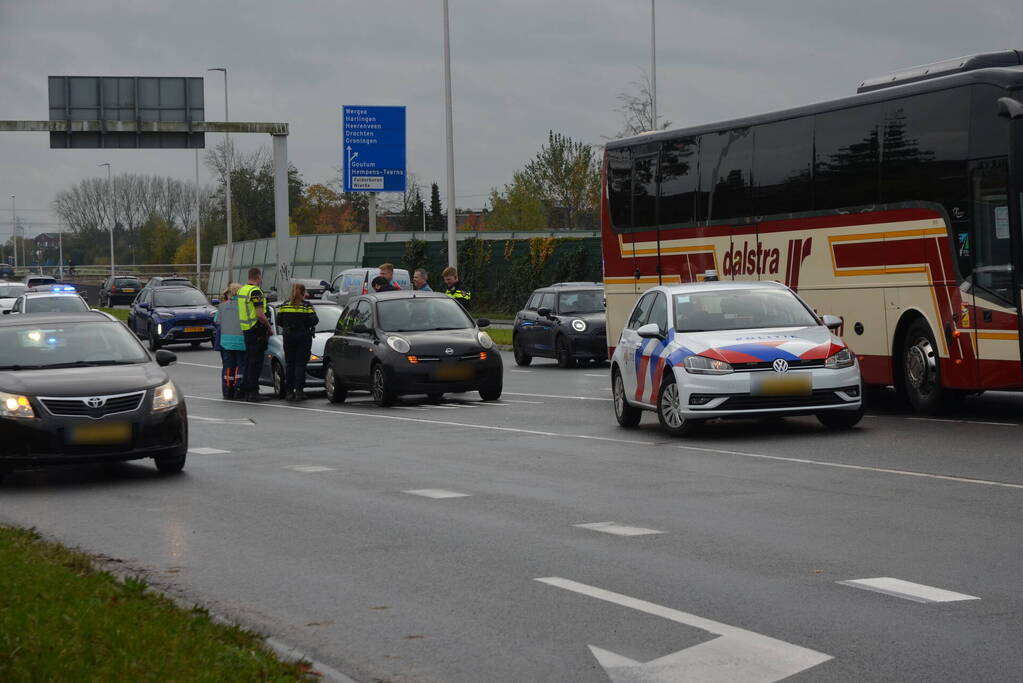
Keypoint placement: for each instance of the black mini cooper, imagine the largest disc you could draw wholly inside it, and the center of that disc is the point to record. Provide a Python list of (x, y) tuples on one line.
[(409, 342), (565, 321)]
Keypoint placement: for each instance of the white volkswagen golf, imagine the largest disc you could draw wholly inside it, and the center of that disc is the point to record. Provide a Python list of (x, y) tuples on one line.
[(707, 350)]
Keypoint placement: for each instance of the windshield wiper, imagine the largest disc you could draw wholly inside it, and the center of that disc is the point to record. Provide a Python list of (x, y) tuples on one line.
[(88, 363), (21, 367)]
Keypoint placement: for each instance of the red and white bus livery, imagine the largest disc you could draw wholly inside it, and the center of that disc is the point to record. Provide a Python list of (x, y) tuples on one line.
[(897, 209)]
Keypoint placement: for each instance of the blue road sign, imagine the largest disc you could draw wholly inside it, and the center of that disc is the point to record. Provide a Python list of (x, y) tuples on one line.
[(373, 149)]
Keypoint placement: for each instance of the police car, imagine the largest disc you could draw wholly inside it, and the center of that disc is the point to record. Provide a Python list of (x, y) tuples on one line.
[(694, 352), (49, 299)]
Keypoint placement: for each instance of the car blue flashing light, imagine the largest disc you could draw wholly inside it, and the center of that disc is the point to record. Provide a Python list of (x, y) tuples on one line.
[(63, 288)]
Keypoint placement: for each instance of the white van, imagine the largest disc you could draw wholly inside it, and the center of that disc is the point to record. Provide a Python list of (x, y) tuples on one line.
[(349, 283)]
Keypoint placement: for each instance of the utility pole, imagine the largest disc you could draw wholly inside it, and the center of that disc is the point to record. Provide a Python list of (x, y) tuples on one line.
[(653, 64), (452, 239), (198, 225), (227, 163), (113, 222), (14, 234)]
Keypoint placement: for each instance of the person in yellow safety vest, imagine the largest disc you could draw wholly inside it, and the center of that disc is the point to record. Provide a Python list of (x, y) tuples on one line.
[(454, 288), (256, 330), (298, 321)]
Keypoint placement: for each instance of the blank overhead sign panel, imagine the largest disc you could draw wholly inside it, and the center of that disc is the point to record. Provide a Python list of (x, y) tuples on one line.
[(374, 148), (136, 99)]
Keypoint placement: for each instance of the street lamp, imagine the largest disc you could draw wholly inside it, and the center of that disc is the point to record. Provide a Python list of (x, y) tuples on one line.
[(227, 163), (452, 238), (14, 233), (653, 65), (110, 196)]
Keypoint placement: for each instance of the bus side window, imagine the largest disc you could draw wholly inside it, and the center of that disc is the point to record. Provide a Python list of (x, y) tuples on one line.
[(990, 248), (619, 188)]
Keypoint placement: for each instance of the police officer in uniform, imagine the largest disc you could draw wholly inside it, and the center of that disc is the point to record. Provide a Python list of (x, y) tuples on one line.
[(256, 330), (455, 289), (298, 320)]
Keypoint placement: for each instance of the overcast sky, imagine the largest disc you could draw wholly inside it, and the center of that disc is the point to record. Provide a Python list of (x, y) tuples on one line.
[(520, 67)]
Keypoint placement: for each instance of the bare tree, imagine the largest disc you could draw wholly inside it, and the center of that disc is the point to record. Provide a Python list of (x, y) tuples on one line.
[(637, 109)]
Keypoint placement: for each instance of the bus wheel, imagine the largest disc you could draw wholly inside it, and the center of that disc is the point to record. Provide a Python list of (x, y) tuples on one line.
[(921, 370)]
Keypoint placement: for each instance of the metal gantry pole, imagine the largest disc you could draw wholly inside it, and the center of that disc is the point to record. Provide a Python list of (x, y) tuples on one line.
[(653, 64), (227, 165), (110, 205), (452, 239), (281, 215), (198, 226), (14, 233)]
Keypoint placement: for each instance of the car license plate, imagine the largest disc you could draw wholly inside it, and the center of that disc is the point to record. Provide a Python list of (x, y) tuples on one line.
[(455, 371), (128, 290), (781, 384), (102, 434), (195, 329)]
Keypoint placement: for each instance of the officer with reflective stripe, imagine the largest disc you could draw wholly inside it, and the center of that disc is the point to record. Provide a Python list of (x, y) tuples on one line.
[(298, 321), (256, 330), (454, 288)]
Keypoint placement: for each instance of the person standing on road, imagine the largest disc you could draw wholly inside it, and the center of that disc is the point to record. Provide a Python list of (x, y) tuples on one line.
[(298, 320), (387, 271), (455, 289), (419, 281), (256, 330), (230, 342)]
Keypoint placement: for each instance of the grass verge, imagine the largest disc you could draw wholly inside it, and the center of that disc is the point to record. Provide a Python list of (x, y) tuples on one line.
[(62, 619), (119, 313), (500, 336)]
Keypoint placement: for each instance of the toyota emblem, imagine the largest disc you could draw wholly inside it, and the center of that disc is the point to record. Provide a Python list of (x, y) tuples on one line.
[(780, 365), (95, 402), (450, 351)]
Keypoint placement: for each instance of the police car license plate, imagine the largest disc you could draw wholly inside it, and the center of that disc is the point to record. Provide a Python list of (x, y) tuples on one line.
[(781, 384), (102, 434), (455, 371), (195, 329)]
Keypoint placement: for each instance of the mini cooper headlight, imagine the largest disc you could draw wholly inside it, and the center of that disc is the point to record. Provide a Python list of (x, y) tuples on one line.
[(485, 340), (12, 405), (399, 344), (842, 359), (165, 397), (701, 365), (579, 325)]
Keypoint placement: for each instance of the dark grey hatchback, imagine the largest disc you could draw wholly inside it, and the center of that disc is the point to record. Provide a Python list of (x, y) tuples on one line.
[(565, 321), (79, 387)]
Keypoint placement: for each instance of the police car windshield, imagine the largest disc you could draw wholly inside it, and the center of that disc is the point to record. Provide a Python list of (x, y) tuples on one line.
[(59, 303), (11, 291), (328, 316), (28, 347), (179, 297), (418, 315), (743, 309), (586, 301)]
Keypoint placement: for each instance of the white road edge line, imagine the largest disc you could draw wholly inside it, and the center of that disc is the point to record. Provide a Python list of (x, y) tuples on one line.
[(203, 450), (590, 374), (436, 493), (618, 529), (309, 468), (571, 398), (862, 468), (198, 365), (917, 592)]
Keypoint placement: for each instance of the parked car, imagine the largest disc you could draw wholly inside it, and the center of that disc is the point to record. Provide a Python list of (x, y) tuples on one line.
[(274, 364), (39, 280), (119, 289), (9, 292), (174, 281), (693, 352), (78, 388), (7, 272), (406, 342), (172, 315), (59, 299), (355, 281), (565, 321)]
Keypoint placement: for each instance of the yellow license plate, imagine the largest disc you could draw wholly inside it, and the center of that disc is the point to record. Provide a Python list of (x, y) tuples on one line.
[(195, 329), (781, 384), (102, 434), (128, 290), (455, 372)]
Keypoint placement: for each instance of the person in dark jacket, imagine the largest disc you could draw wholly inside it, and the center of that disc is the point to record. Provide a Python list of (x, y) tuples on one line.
[(454, 287), (382, 284), (298, 321)]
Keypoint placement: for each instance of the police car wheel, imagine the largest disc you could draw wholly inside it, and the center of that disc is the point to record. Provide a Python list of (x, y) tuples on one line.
[(336, 391), (521, 357), (563, 353), (383, 393), (669, 409), (840, 419), (278, 378), (627, 416)]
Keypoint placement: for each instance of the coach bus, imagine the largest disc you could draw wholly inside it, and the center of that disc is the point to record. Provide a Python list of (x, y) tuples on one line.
[(897, 209)]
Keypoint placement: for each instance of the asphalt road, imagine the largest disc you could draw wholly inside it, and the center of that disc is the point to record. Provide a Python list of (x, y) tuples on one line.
[(727, 562)]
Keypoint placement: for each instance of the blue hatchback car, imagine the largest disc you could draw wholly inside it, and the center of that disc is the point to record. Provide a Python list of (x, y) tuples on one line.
[(172, 315)]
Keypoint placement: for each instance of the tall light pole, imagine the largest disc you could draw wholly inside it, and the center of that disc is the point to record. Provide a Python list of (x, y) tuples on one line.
[(198, 224), (14, 233), (227, 164), (110, 197), (653, 64), (452, 240)]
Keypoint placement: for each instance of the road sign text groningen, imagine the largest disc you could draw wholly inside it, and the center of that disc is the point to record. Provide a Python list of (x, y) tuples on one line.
[(373, 146)]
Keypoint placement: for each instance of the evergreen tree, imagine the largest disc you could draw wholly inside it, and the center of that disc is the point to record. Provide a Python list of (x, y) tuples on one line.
[(435, 220)]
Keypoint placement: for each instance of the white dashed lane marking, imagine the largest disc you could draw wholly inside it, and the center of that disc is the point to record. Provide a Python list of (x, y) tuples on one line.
[(309, 468), (202, 450), (917, 592), (436, 493), (618, 529)]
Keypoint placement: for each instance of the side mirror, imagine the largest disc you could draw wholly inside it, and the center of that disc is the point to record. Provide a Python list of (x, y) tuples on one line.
[(650, 331), (361, 329), (543, 312), (165, 357), (144, 305), (215, 302), (324, 284), (832, 322), (483, 322)]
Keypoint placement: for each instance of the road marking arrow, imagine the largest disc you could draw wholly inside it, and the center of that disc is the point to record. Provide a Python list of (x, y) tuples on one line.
[(736, 656)]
